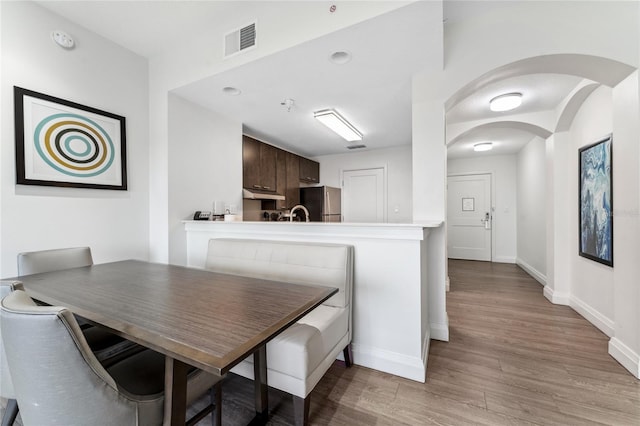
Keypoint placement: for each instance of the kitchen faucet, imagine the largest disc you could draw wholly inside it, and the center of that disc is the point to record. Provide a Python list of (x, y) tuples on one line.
[(298, 207)]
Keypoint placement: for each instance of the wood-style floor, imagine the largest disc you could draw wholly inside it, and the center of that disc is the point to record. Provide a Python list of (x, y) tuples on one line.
[(513, 359)]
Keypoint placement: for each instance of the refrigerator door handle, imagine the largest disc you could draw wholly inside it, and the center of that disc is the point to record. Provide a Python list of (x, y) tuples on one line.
[(327, 201)]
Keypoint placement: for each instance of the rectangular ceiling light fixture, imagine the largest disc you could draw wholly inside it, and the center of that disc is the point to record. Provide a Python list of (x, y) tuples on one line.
[(339, 124)]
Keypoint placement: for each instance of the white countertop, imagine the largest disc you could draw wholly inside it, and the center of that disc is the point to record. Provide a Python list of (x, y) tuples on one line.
[(425, 224), (342, 231)]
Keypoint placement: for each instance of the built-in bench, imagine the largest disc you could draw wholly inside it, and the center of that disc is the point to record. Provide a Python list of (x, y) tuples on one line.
[(298, 357)]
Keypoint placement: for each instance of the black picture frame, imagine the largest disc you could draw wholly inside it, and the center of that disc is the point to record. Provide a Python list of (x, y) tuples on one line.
[(595, 200), (65, 144)]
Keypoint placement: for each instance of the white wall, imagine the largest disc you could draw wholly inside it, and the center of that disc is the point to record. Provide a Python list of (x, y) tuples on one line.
[(504, 203), (607, 297), (97, 73), (398, 180), (516, 30), (531, 207), (429, 160), (558, 282), (591, 282), (280, 26), (205, 165), (625, 345)]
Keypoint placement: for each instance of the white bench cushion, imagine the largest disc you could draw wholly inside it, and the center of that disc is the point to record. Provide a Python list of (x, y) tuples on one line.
[(299, 349), (332, 322)]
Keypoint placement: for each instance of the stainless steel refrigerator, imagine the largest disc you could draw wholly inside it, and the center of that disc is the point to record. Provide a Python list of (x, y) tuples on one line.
[(323, 203)]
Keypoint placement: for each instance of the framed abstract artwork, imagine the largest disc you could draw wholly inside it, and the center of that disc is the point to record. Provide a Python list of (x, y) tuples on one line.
[(596, 202), (62, 143)]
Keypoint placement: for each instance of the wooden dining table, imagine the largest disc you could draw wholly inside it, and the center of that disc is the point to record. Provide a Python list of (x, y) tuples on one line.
[(194, 317)]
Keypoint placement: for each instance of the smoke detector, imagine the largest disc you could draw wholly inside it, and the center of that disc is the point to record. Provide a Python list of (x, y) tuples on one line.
[(287, 103)]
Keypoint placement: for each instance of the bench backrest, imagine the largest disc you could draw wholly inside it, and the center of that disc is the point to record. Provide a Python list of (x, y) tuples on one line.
[(329, 265)]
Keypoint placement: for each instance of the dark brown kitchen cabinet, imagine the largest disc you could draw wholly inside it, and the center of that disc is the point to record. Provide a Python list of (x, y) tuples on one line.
[(309, 171), (281, 177), (259, 165), (292, 194)]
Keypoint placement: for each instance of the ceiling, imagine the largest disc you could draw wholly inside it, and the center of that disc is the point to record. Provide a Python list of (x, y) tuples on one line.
[(540, 92), (145, 27), (373, 90)]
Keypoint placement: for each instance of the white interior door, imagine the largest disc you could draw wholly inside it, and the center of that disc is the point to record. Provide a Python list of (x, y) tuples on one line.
[(469, 217), (363, 195)]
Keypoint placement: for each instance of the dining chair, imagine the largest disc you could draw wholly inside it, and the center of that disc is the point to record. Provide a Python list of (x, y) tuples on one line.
[(35, 262), (58, 379), (6, 385), (108, 347)]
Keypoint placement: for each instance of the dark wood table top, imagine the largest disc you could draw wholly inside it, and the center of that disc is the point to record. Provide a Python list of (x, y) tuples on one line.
[(206, 319)]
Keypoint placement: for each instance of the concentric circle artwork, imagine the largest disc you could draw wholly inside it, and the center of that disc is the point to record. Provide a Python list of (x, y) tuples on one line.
[(62, 143), (74, 145)]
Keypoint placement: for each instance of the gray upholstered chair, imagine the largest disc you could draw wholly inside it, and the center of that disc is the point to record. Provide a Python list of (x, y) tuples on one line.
[(58, 379), (35, 262), (6, 385), (108, 347)]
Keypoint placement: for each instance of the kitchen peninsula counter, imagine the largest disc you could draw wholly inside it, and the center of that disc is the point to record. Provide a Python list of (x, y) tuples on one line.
[(399, 303)]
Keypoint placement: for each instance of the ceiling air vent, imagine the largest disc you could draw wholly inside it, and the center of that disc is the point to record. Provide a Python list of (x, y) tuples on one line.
[(241, 39), (360, 146)]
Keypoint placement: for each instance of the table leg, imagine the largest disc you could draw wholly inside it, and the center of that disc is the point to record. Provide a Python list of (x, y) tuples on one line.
[(260, 383), (175, 392)]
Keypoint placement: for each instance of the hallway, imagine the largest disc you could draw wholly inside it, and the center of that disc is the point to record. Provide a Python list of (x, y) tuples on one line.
[(530, 359), (513, 358)]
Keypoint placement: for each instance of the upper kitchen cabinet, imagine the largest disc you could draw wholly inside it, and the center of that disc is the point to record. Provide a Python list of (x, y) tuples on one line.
[(309, 170), (259, 165), (292, 194), (281, 177)]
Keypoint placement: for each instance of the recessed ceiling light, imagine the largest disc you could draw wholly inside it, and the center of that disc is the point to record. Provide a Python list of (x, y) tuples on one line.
[(231, 91), (62, 39), (340, 57), (505, 102), (483, 146)]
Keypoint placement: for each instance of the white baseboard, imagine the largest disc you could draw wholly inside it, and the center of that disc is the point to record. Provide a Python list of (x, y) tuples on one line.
[(425, 352), (593, 316), (625, 356), (555, 297), (603, 323), (402, 365), (537, 275), (504, 259), (440, 331)]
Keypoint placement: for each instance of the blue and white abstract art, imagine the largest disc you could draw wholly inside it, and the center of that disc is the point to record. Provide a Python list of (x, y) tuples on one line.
[(596, 202)]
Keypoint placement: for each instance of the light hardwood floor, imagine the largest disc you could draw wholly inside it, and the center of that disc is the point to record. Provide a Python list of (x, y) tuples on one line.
[(513, 359)]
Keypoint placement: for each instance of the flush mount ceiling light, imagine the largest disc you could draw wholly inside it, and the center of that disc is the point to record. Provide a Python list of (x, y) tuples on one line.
[(483, 146), (339, 124), (62, 39), (231, 91), (505, 102)]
